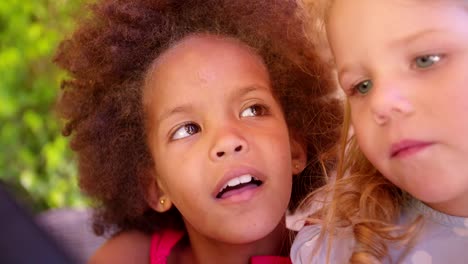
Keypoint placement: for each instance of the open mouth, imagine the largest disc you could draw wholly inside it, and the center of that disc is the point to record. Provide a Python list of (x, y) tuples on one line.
[(237, 185)]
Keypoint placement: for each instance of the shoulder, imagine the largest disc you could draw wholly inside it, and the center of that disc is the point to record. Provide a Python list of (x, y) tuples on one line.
[(308, 248), (126, 247), (304, 244)]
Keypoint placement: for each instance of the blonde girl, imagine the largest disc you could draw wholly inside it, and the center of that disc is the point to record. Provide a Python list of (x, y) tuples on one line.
[(401, 193)]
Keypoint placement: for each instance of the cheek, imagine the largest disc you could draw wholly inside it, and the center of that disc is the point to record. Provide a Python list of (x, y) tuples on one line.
[(360, 128), (367, 142), (176, 176), (185, 193), (362, 122), (279, 146)]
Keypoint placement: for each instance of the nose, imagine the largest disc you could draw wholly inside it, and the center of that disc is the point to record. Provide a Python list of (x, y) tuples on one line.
[(388, 102), (227, 142)]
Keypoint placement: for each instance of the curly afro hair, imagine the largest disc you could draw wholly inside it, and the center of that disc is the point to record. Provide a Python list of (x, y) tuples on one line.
[(107, 58)]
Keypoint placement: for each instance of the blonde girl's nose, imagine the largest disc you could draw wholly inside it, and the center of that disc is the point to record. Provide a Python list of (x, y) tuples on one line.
[(389, 102)]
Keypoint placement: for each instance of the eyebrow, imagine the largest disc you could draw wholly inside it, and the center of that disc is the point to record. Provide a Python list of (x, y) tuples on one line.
[(185, 108), (413, 37), (397, 43), (342, 71), (245, 90), (188, 107)]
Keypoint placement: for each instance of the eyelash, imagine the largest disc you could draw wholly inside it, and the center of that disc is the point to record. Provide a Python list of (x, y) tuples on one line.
[(265, 110), (435, 59), (178, 128), (352, 90)]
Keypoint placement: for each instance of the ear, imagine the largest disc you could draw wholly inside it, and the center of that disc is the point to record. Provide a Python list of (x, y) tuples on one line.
[(156, 196), (298, 156)]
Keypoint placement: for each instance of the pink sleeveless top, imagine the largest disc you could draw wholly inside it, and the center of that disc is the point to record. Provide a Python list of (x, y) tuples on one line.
[(162, 244)]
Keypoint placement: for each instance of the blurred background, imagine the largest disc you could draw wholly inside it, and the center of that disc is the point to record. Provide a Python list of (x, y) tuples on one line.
[(35, 160)]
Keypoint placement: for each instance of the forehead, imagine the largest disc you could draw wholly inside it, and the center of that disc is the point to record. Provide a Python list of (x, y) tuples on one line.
[(201, 68), (202, 54), (206, 47), (203, 57), (366, 24), (385, 15)]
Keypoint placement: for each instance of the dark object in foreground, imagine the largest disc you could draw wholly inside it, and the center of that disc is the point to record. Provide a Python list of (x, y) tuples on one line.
[(22, 240)]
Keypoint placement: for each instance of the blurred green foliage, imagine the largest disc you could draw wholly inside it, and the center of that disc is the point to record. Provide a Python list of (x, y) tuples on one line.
[(34, 157)]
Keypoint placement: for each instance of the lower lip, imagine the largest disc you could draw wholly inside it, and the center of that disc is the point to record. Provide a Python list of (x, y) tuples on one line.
[(242, 195), (406, 152)]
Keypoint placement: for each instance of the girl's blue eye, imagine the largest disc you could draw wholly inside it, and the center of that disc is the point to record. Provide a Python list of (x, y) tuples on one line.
[(254, 110), (186, 130), (426, 60), (364, 87)]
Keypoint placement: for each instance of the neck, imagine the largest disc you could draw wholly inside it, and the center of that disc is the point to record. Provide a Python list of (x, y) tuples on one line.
[(206, 250), (456, 207)]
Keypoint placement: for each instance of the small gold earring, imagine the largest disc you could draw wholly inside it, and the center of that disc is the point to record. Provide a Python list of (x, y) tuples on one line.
[(296, 166), (162, 201)]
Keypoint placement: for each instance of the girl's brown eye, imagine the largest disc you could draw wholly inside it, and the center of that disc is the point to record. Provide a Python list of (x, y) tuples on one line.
[(254, 110), (186, 130)]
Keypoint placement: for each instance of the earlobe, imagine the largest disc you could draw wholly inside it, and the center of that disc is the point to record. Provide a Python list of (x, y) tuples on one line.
[(156, 197), (163, 204), (298, 157), (296, 168)]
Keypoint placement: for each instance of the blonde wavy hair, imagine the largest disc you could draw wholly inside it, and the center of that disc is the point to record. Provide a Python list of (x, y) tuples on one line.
[(360, 197)]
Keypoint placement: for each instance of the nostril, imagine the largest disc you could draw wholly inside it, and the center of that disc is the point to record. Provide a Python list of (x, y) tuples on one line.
[(219, 154), (239, 148)]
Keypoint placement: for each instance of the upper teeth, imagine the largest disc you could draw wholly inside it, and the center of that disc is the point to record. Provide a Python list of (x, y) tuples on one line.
[(238, 180)]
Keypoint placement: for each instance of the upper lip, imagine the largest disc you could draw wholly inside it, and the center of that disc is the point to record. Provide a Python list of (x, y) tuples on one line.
[(234, 173), (406, 144)]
